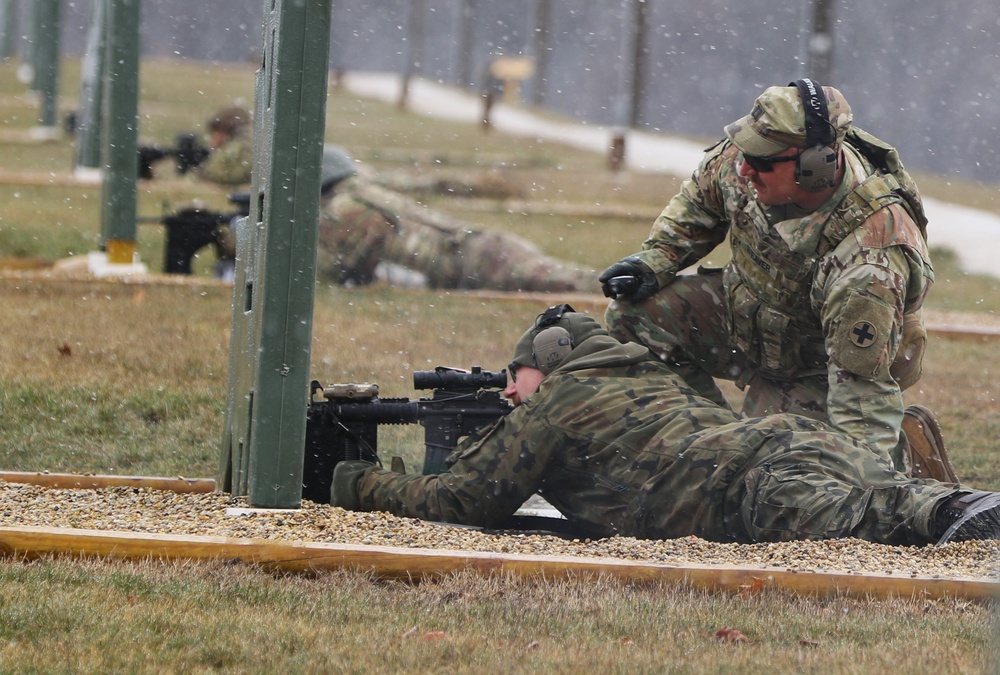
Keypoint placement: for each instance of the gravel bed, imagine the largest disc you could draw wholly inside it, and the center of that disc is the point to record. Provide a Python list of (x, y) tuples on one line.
[(214, 514)]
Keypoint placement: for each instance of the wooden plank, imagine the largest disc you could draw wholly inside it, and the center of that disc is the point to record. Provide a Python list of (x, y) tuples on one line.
[(94, 482), (408, 563), (956, 332)]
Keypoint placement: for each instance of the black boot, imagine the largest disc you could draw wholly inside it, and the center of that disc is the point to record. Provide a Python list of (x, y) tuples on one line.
[(968, 515)]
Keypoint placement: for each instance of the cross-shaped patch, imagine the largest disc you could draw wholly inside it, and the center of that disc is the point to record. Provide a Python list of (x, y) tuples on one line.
[(863, 334)]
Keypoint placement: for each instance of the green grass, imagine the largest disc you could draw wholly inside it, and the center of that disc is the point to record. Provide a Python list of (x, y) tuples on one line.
[(105, 377)]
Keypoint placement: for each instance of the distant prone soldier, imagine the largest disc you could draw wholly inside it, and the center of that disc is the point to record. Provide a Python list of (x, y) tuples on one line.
[(225, 160), (230, 160), (363, 224)]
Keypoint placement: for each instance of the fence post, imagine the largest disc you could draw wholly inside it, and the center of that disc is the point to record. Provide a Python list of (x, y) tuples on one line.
[(90, 116), (121, 86), (8, 27), (46, 66), (263, 441)]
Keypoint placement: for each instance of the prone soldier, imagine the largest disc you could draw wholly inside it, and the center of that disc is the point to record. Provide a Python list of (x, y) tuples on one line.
[(363, 224), (619, 443), (226, 160), (231, 159)]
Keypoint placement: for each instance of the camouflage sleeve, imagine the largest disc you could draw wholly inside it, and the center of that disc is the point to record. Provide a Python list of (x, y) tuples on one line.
[(695, 220), (862, 319), (865, 287), (491, 479)]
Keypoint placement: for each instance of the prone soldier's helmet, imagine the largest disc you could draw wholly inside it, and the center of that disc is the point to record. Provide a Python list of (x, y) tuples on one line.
[(229, 121), (335, 167), (556, 332)]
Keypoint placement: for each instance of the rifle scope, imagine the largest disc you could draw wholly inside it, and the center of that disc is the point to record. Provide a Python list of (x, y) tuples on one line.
[(457, 379)]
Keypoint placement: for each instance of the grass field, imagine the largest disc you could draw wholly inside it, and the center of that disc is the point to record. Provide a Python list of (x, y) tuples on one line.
[(103, 377)]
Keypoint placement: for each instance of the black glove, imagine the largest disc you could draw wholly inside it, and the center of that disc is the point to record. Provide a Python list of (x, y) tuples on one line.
[(629, 279)]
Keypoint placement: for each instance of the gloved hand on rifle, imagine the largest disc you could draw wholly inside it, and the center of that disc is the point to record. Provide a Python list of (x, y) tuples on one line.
[(346, 476), (629, 279)]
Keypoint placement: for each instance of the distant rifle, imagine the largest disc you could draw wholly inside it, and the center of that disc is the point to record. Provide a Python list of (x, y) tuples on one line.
[(188, 154), (342, 420), (193, 228)]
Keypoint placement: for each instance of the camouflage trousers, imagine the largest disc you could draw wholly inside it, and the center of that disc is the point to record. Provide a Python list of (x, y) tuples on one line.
[(777, 478), (819, 485), (685, 325)]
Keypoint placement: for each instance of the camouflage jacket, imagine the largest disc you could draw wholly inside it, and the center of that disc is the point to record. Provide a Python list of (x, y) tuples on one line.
[(622, 446), (816, 293)]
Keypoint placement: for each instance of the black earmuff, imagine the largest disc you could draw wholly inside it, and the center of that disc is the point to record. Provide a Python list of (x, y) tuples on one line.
[(816, 166)]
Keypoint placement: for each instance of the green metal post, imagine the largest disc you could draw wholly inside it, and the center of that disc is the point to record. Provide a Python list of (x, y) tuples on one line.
[(26, 69), (263, 442), (46, 63), (121, 87), (8, 27), (89, 130)]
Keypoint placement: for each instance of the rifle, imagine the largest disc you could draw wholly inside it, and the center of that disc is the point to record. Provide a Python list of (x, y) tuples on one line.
[(342, 420), (188, 154), (191, 228)]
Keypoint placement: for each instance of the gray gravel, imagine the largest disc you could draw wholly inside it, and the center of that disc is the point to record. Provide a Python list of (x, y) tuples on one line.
[(215, 514)]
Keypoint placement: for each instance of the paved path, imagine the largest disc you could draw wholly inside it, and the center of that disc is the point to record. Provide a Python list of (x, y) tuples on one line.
[(974, 235)]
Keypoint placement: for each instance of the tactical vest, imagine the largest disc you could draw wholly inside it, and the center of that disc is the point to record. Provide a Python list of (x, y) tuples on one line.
[(771, 318)]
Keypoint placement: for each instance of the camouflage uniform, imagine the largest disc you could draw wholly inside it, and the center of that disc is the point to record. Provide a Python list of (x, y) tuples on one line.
[(809, 313), (230, 163), (231, 158), (621, 445), (363, 223)]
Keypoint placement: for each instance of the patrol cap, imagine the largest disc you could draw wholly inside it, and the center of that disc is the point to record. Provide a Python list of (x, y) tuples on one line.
[(335, 166), (555, 333), (777, 122)]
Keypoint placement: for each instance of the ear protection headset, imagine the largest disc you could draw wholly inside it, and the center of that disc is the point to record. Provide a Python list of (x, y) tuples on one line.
[(816, 166), (553, 343)]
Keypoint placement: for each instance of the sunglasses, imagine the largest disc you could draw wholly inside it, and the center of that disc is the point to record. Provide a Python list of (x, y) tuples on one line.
[(766, 164)]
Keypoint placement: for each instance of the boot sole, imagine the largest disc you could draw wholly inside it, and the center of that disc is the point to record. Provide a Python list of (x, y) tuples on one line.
[(981, 521)]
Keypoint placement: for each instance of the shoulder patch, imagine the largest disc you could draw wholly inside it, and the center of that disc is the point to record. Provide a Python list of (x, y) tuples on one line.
[(862, 335)]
